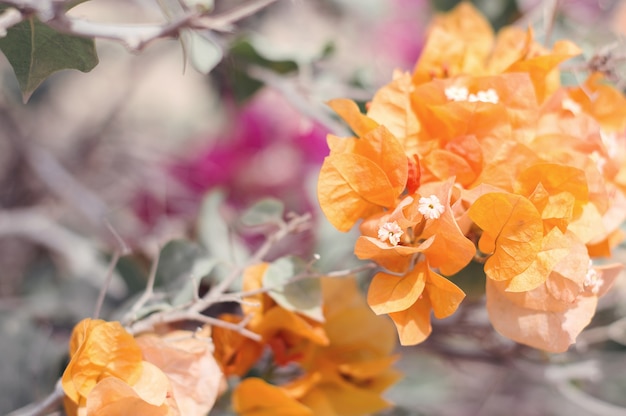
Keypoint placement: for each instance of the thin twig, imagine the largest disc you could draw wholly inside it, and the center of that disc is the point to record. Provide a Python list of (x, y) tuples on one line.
[(80, 254), (238, 296), (292, 226), (148, 293), (105, 286), (154, 320), (10, 17), (52, 173), (287, 88), (194, 310), (135, 36), (52, 401)]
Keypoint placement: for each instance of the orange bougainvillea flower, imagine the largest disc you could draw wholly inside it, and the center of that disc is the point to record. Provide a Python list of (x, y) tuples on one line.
[(409, 300), (345, 377), (501, 158), (551, 316), (108, 375), (602, 101), (348, 376), (361, 176), (99, 349), (234, 352), (255, 397), (151, 395), (284, 331), (186, 359), (462, 42), (512, 234)]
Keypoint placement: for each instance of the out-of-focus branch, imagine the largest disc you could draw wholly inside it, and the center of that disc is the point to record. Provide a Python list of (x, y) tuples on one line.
[(44, 407), (10, 17), (193, 311), (292, 92), (135, 37), (52, 173), (81, 255)]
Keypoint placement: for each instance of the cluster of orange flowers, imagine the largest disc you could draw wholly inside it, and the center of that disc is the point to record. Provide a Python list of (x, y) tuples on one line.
[(339, 364), (342, 362), (113, 373), (479, 154)]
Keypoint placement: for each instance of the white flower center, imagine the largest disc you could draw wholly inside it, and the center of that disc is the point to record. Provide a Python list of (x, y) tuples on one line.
[(390, 231), (593, 279), (430, 207), (489, 96), (454, 93)]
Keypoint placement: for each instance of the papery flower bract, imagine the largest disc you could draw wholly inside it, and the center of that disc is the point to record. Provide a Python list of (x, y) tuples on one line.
[(151, 395), (99, 349), (348, 376), (343, 378), (254, 397), (537, 318), (535, 173), (187, 360), (409, 300), (361, 176), (602, 101), (235, 353), (512, 233), (284, 331), (462, 42), (108, 375)]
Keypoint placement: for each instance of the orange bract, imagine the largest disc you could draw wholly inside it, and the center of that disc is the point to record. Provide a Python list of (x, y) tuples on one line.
[(344, 377), (186, 359), (369, 177), (501, 158), (99, 349)]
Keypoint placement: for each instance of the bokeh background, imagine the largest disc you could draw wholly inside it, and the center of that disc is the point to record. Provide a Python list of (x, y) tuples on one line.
[(138, 151)]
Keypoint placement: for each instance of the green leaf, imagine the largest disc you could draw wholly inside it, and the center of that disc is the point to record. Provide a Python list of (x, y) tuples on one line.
[(201, 268), (265, 211), (303, 296), (232, 72), (186, 261), (35, 51), (177, 260)]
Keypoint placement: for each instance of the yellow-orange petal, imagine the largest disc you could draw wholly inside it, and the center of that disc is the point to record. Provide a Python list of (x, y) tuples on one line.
[(512, 231), (254, 397), (388, 293), (413, 324)]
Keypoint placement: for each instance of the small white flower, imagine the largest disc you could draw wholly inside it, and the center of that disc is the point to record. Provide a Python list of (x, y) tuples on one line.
[(390, 231), (489, 96), (571, 105), (454, 93), (430, 207), (593, 279)]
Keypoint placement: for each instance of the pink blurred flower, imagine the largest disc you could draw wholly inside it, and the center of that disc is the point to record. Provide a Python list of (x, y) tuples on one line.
[(268, 149)]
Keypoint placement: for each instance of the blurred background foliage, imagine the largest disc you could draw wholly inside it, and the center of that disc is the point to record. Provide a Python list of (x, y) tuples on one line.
[(144, 154)]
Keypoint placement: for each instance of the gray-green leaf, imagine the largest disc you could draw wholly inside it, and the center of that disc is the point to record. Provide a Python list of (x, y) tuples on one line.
[(265, 211), (35, 51), (303, 296)]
